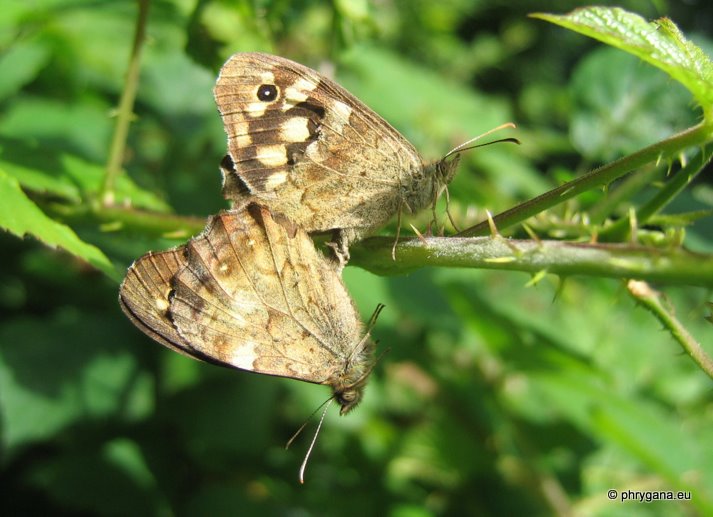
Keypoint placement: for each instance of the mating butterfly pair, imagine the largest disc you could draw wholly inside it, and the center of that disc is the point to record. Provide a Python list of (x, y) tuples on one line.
[(251, 291)]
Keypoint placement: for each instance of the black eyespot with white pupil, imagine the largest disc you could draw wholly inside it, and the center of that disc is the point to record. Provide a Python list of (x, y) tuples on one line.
[(267, 92)]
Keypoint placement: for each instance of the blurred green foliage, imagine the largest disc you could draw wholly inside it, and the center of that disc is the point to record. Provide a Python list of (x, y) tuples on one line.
[(494, 397)]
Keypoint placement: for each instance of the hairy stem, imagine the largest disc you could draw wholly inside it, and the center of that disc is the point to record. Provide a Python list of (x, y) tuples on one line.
[(651, 300), (697, 135), (672, 266), (668, 192), (131, 219), (125, 110)]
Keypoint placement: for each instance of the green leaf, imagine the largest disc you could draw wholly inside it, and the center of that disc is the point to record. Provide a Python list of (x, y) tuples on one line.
[(659, 43), (82, 128), (43, 181), (682, 219), (67, 368), (89, 177), (74, 179), (620, 107), (114, 476), (20, 64), (20, 216)]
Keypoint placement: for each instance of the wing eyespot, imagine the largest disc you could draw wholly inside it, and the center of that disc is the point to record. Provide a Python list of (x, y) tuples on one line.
[(267, 92)]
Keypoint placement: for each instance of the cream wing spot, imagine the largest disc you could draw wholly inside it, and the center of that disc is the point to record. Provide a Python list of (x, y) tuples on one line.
[(338, 116), (304, 84), (161, 304), (275, 179), (224, 269), (295, 129), (315, 152), (244, 309), (267, 77), (272, 155), (256, 109), (342, 112), (293, 96), (243, 140), (239, 131), (244, 355), (299, 92)]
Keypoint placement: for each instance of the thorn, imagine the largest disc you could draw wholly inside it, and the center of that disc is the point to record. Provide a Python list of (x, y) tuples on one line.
[(633, 225), (531, 233), (491, 223), (560, 288), (418, 234), (536, 278)]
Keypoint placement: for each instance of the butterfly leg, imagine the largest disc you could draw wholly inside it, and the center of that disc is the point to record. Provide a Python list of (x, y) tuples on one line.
[(402, 203), (448, 206), (398, 234), (340, 246)]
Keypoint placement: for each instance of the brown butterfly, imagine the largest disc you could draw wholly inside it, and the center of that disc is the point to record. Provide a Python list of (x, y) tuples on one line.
[(301, 144), (252, 292)]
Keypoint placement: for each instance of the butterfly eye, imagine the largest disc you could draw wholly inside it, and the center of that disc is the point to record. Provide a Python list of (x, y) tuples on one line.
[(267, 92)]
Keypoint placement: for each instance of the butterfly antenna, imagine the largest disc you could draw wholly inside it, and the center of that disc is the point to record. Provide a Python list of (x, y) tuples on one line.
[(314, 440), (369, 327), (297, 433), (465, 145), (374, 317)]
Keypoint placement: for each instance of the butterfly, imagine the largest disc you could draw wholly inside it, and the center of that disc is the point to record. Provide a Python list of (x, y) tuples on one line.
[(301, 144), (252, 292)]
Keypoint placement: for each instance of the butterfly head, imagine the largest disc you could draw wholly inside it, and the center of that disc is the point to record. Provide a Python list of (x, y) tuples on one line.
[(349, 398), (348, 387), (445, 169)]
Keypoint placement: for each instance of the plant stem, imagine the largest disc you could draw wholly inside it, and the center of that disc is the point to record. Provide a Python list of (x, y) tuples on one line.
[(667, 265), (125, 110), (668, 192), (651, 300), (131, 220), (621, 196), (697, 135)]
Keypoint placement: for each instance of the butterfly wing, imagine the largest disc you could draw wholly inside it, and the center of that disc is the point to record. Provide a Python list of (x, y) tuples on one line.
[(256, 295), (305, 146), (144, 293)]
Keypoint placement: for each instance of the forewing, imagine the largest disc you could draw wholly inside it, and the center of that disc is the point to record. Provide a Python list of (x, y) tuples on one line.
[(313, 146), (252, 296)]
